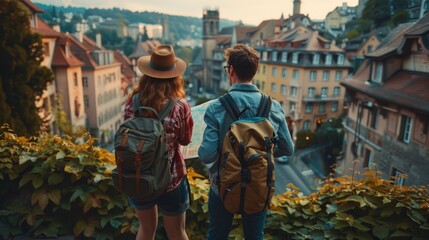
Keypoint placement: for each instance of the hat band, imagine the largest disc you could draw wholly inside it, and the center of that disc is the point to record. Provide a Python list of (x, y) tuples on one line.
[(158, 68)]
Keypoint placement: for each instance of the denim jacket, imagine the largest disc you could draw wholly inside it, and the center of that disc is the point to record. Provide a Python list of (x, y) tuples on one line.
[(245, 95)]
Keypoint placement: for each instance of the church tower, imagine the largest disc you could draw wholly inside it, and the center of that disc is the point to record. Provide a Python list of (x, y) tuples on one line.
[(165, 28), (210, 30), (296, 7)]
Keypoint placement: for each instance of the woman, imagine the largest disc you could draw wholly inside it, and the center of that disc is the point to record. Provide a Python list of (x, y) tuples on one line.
[(162, 81)]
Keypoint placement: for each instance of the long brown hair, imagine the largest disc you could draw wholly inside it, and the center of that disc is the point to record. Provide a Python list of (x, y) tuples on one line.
[(154, 91)]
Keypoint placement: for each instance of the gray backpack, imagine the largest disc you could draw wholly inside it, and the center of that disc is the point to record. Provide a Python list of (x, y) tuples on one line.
[(142, 168)]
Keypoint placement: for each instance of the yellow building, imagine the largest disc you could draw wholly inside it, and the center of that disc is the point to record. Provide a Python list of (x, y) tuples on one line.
[(302, 71)]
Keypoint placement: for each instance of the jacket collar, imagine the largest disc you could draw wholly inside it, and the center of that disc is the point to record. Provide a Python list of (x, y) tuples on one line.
[(244, 87)]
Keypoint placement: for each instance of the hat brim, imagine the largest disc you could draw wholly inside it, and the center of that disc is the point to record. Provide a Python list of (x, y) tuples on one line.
[(143, 64)]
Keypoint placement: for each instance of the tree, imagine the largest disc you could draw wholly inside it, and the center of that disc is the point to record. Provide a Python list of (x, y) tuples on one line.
[(377, 11), (23, 80)]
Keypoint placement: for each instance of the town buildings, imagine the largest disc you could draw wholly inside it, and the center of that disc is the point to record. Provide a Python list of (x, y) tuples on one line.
[(335, 21), (91, 83), (302, 71), (67, 87), (388, 108)]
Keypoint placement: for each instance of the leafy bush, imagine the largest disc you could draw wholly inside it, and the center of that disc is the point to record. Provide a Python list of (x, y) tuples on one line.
[(51, 187), (305, 138)]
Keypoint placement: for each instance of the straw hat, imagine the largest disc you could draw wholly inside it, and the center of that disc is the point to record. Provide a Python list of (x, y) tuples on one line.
[(163, 63)]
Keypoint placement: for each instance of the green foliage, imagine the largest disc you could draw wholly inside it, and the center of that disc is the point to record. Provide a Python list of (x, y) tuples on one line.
[(23, 80), (64, 125), (400, 17), (51, 187), (342, 209), (377, 11), (305, 138)]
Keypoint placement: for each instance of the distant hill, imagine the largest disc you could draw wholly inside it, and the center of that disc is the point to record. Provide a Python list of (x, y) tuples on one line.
[(181, 27)]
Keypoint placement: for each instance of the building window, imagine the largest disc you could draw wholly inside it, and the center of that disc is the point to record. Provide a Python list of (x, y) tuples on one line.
[(316, 59), (324, 92), (313, 75), (274, 71), (75, 79), (295, 58), (295, 74), (293, 91), (337, 91), (309, 108), (322, 107), (325, 76), (264, 56), (85, 82), (311, 91), (284, 72), (405, 131), (338, 75), (340, 59), (378, 72), (284, 57), (398, 177), (367, 161), (263, 69), (273, 87), (46, 49), (334, 107), (283, 89), (274, 56), (291, 107), (86, 100), (307, 125), (374, 118), (328, 60), (263, 86)]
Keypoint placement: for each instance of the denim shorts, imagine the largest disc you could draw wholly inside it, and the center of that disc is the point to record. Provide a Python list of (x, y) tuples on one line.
[(172, 203)]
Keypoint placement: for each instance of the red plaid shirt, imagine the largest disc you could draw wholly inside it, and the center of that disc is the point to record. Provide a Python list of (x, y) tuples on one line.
[(178, 127)]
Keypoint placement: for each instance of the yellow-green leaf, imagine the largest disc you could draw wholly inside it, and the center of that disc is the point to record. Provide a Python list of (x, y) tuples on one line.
[(55, 178), (25, 179), (37, 181), (55, 196), (25, 158), (41, 198)]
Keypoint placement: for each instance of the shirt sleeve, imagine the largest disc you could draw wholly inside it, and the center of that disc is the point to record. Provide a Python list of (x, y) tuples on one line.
[(186, 125), (208, 150)]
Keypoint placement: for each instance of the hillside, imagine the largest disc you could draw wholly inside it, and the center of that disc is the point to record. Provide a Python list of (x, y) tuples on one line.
[(181, 27)]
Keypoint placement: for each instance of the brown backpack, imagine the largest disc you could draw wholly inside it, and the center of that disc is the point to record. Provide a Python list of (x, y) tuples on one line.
[(246, 168)]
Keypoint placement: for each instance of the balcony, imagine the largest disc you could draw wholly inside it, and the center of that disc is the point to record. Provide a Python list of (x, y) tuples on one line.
[(321, 98), (366, 134)]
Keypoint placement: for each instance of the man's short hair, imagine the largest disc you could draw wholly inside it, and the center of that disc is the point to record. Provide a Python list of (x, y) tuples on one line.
[(244, 60)]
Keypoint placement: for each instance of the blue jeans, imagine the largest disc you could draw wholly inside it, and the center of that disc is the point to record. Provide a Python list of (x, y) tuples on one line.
[(220, 221), (171, 203)]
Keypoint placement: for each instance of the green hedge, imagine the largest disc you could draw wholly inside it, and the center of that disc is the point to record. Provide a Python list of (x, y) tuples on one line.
[(51, 187)]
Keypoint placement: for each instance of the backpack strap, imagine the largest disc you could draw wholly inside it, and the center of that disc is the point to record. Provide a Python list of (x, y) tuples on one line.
[(164, 111), (230, 106), (264, 106), (167, 108)]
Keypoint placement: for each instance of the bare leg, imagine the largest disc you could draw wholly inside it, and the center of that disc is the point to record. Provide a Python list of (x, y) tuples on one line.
[(148, 221), (175, 227)]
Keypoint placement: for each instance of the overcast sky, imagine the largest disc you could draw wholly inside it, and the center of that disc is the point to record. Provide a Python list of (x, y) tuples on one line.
[(249, 11)]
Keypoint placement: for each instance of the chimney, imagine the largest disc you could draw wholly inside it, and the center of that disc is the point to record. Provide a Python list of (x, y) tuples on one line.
[(79, 36), (57, 27), (98, 39)]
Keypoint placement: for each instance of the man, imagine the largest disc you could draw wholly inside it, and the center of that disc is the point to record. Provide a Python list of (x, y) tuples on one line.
[(242, 64)]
